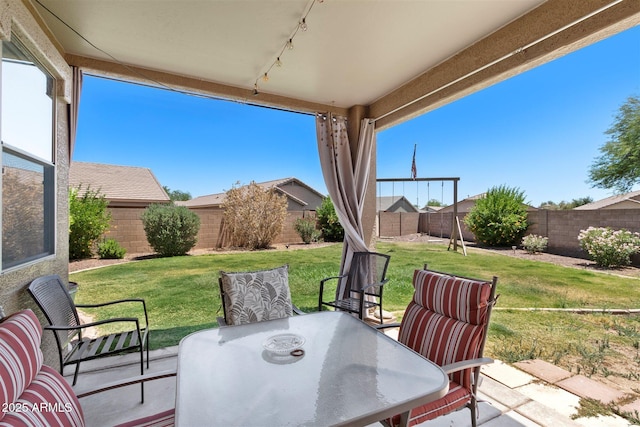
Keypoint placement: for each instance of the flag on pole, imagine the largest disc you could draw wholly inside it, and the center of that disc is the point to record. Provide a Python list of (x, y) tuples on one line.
[(414, 170)]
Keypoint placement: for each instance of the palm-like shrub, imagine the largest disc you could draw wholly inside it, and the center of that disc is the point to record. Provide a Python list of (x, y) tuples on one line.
[(171, 230), (499, 218)]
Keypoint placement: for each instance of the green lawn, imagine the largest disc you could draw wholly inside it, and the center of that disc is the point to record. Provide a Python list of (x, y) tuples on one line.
[(182, 296)]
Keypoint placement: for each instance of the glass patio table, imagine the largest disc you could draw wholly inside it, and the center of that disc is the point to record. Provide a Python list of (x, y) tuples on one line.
[(347, 373)]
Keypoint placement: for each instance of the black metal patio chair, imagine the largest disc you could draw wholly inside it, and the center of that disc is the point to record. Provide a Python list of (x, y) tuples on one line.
[(51, 295), (364, 283)]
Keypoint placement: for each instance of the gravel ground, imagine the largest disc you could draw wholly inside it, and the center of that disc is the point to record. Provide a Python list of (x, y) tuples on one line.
[(566, 261)]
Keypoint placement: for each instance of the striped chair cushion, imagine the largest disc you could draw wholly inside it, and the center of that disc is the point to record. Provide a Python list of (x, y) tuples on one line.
[(48, 401), (454, 297), (440, 339), (20, 355), (457, 397), (437, 323), (445, 322), (256, 296)]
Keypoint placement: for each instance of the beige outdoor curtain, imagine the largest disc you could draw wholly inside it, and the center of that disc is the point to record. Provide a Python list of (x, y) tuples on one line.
[(74, 107), (346, 178)]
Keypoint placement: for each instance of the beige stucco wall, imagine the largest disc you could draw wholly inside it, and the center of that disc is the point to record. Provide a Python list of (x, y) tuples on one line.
[(16, 18)]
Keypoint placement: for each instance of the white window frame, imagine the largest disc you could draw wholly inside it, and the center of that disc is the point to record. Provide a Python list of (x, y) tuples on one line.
[(49, 172)]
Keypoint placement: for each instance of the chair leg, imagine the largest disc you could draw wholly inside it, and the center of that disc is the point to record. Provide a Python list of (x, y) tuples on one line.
[(473, 407), (75, 375), (142, 372)]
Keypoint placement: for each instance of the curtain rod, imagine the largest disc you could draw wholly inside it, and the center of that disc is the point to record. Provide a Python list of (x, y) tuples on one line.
[(502, 58)]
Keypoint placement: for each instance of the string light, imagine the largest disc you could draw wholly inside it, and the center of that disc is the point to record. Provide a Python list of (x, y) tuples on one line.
[(288, 45)]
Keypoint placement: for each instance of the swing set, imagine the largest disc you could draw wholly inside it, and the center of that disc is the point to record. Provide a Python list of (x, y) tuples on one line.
[(456, 232)]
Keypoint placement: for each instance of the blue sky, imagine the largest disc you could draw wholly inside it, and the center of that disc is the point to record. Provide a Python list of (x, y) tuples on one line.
[(538, 131)]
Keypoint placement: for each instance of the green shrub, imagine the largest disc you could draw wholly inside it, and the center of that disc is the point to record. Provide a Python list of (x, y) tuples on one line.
[(171, 230), (111, 249), (499, 218), (88, 220), (608, 247), (306, 229), (533, 243), (330, 226)]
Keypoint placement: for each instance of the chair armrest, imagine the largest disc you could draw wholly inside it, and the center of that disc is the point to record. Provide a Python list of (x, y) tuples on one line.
[(332, 277), (96, 323), (386, 325), (296, 310), (120, 301), (466, 364), (373, 284), (129, 381), (102, 304), (321, 292)]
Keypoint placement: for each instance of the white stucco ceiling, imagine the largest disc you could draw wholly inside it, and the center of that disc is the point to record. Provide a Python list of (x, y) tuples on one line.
[(390, 56), (353, 52)]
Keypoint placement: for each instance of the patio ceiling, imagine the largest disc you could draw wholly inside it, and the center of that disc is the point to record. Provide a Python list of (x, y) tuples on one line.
[(395, 58)]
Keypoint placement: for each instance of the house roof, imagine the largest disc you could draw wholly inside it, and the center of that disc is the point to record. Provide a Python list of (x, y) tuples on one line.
[(613, 200), (118, 183), (279, 184), (398, 59), (385, 203), (466, 204)]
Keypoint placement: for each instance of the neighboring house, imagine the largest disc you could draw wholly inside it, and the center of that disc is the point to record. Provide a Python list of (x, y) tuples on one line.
[(621, 201), (432, 209), (394, 204), (121, 185), (129, 190), (302, 201), (465, 205), (300, 196)]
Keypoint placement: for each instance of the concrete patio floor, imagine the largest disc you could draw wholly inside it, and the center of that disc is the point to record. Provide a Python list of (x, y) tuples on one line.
[(533, 394)]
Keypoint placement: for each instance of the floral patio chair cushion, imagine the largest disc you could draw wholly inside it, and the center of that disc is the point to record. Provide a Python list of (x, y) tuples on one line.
[(256, 296)]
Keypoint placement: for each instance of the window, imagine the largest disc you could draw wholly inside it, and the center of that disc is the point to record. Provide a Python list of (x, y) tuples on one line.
[(28, 172)]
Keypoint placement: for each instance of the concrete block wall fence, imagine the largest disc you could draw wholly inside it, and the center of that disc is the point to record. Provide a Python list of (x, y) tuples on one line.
[(128, 231), (560, 226)]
